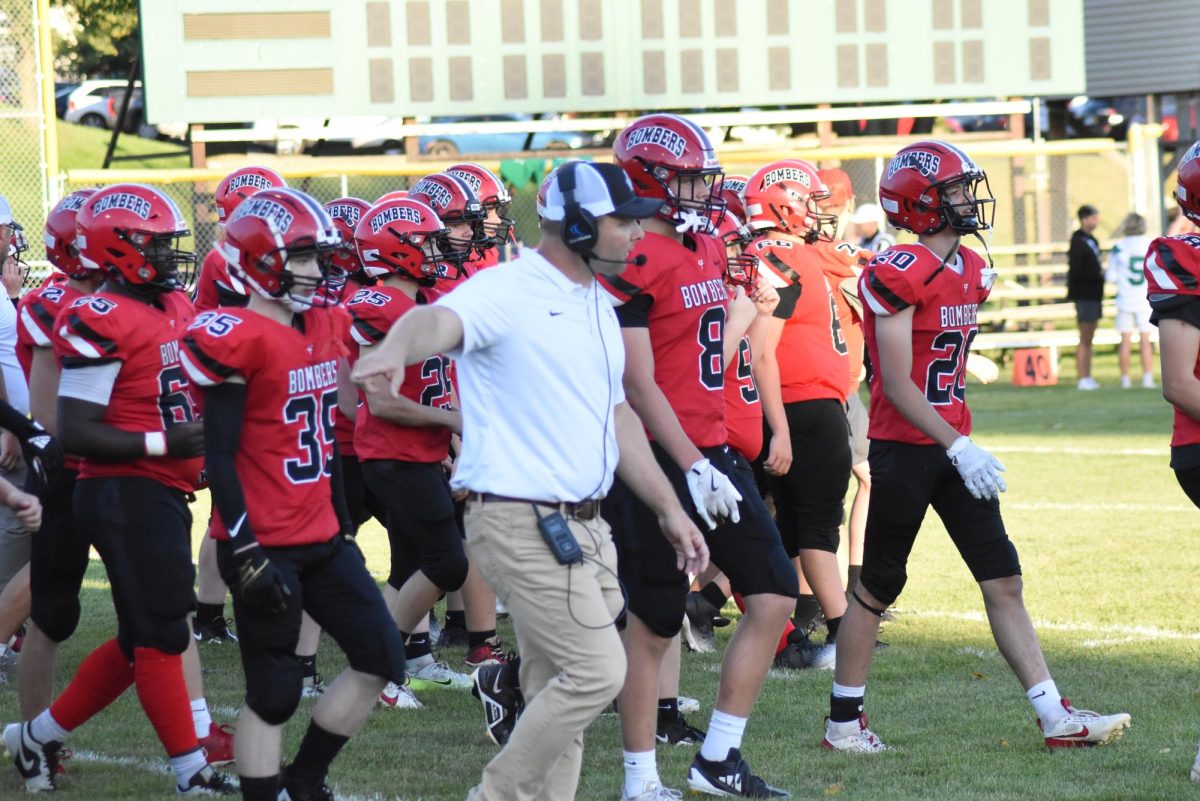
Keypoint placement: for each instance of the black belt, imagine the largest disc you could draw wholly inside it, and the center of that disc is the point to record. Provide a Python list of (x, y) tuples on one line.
[(584, 510)]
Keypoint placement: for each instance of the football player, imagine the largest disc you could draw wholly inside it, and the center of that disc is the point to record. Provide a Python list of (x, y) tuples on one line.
[(404, 441), (1172, 270), (461, 211), (672, 309), (125, 407), (285, 545), (497, 225), (919, 317)]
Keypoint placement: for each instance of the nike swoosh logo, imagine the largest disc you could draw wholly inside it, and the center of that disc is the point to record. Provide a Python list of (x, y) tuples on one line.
[(496, 684), (1039, 695), (28, 760), (439, 682), (555, 314)]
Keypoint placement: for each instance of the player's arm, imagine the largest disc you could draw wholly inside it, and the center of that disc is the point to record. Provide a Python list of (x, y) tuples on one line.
[(742, 312), (26, 507), (765, 367), (894, 334), (404, 411), (347, 393), (84, 392), (1179, 345), (43, 388), (640, 471), (416, 336)]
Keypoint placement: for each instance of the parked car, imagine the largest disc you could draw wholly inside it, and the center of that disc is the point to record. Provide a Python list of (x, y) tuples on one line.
[(451, 145), (62, 91), (89, 104)]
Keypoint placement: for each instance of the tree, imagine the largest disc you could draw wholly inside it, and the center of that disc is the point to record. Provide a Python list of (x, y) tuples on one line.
[(96, 37)]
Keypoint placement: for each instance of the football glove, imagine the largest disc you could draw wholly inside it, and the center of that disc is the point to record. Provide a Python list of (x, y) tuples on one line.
[(43, 453), (260, 583), (713, 493), (980, 470)]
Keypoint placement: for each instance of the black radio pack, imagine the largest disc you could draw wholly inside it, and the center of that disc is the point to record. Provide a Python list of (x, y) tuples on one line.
[(559, 538)]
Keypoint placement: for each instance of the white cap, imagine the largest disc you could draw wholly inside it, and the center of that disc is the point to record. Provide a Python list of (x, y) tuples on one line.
[(599, 188), (868, 213), (6, 216)]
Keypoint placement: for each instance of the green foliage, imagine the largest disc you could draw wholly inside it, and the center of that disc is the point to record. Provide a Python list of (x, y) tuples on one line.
[(106, 38)]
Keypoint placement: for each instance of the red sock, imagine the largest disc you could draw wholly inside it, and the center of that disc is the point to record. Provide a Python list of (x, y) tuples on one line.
[(163, 694), (787, 629), (99, 680)]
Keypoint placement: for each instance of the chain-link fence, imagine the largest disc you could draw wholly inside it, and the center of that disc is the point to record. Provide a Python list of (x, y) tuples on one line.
[(22, 155)]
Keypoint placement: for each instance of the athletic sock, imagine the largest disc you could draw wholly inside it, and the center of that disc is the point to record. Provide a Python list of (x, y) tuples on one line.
[(45, 729), (832, 624), (668, 708), (100, 679), (158, 677), (317, 751), (1047, 703), (852, 574), (207, 613), (259, 788), (724, 732), (641, 771), (846, 703), (478, 638), (201, 717), (188, 765), (455, 619), (713, 593), (807, 610), (418, 645)]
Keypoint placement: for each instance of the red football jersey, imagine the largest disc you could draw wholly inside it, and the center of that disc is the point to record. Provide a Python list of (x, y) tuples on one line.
[(216, 287), (343, 427), (152, 392), (842, 261), (1172, 267), (945, 306), (373, 312), (680, 295), (287, 425), (743, 411), (36, 315), (813, 353)]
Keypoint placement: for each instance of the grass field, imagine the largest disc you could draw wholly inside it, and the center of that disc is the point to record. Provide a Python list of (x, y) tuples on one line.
[(1105, 539)]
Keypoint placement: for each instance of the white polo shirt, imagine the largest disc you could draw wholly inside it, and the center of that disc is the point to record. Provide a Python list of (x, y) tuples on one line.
[(539, 373)]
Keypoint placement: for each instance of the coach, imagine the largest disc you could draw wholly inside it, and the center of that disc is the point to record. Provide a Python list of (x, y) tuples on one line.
[(545, 423)]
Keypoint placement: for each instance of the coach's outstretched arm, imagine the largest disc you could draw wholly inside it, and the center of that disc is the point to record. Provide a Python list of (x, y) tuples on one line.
[(416, 336)]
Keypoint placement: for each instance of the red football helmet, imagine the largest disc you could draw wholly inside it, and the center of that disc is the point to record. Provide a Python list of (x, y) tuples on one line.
[(132, 232), (403, 237), (346, 212), (658, 151), (784, 195), (493, 195), (452, 199), (547, 182), (730, 191), (913, 190), (241, 184), (395, 194), (841, 191), (60, 235), (270, 229), (741, 269), (1188, 190)]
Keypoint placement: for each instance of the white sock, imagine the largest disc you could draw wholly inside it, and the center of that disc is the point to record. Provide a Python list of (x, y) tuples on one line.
[(201, 719), (845, 691), (45, 729), (1047, 703), (724, 732), (188, 765), (641, 771), (419, 663)]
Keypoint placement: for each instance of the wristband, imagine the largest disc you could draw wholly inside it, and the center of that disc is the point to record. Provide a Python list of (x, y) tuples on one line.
[(156, 443)]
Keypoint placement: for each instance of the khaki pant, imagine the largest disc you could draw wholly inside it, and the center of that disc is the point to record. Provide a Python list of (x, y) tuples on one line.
[(569, 672)]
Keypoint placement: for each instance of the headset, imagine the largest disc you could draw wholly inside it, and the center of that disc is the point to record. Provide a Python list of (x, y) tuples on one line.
[(579, 228)]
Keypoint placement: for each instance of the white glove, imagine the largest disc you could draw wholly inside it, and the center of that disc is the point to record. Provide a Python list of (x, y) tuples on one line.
[(691, 220), (713, 493), (980, 470)]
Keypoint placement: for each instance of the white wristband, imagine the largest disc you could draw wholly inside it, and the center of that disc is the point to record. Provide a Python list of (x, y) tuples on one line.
[(156, 443)]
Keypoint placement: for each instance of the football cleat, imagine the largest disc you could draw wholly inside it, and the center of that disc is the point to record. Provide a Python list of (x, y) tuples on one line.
[(451, 637), (438, 676), (314, 686), (806, 655), (36, 762), (292, 789), (698, 623), (653, 792), (490, 653), (399, 696), (731, 777), (218, 744), (1082, 728), (852, 737), (498, 688), (207, 781), (216, 631), (674, 729)]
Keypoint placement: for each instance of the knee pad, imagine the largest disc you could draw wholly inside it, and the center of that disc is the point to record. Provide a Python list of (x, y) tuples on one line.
[(380, 656), (56, 617), (659, 605), (885, 584), (993, 559), (275, 695), (169, 636), (447, 569)]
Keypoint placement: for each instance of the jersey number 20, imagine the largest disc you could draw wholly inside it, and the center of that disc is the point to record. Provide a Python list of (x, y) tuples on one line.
[(946, 378)]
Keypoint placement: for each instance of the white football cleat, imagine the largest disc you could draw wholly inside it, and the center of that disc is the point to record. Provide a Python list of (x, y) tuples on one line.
[(852, 736), (1081, 727), (399, 696)]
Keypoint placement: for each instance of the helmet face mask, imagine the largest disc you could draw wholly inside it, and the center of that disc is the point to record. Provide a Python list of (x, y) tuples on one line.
[(171, 267), (496, 200), (785, 196), (17, 245), (453, 201), (406, 238)]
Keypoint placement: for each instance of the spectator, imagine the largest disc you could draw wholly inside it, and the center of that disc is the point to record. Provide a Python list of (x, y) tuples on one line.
[(871, 227), (1085, 286), (1133, 308)]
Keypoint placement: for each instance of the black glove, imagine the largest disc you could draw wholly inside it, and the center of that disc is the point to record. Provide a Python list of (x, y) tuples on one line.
[(259, 583), (44, 456)]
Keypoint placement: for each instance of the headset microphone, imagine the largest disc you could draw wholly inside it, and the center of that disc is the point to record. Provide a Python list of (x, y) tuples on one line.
[(637, 261)]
